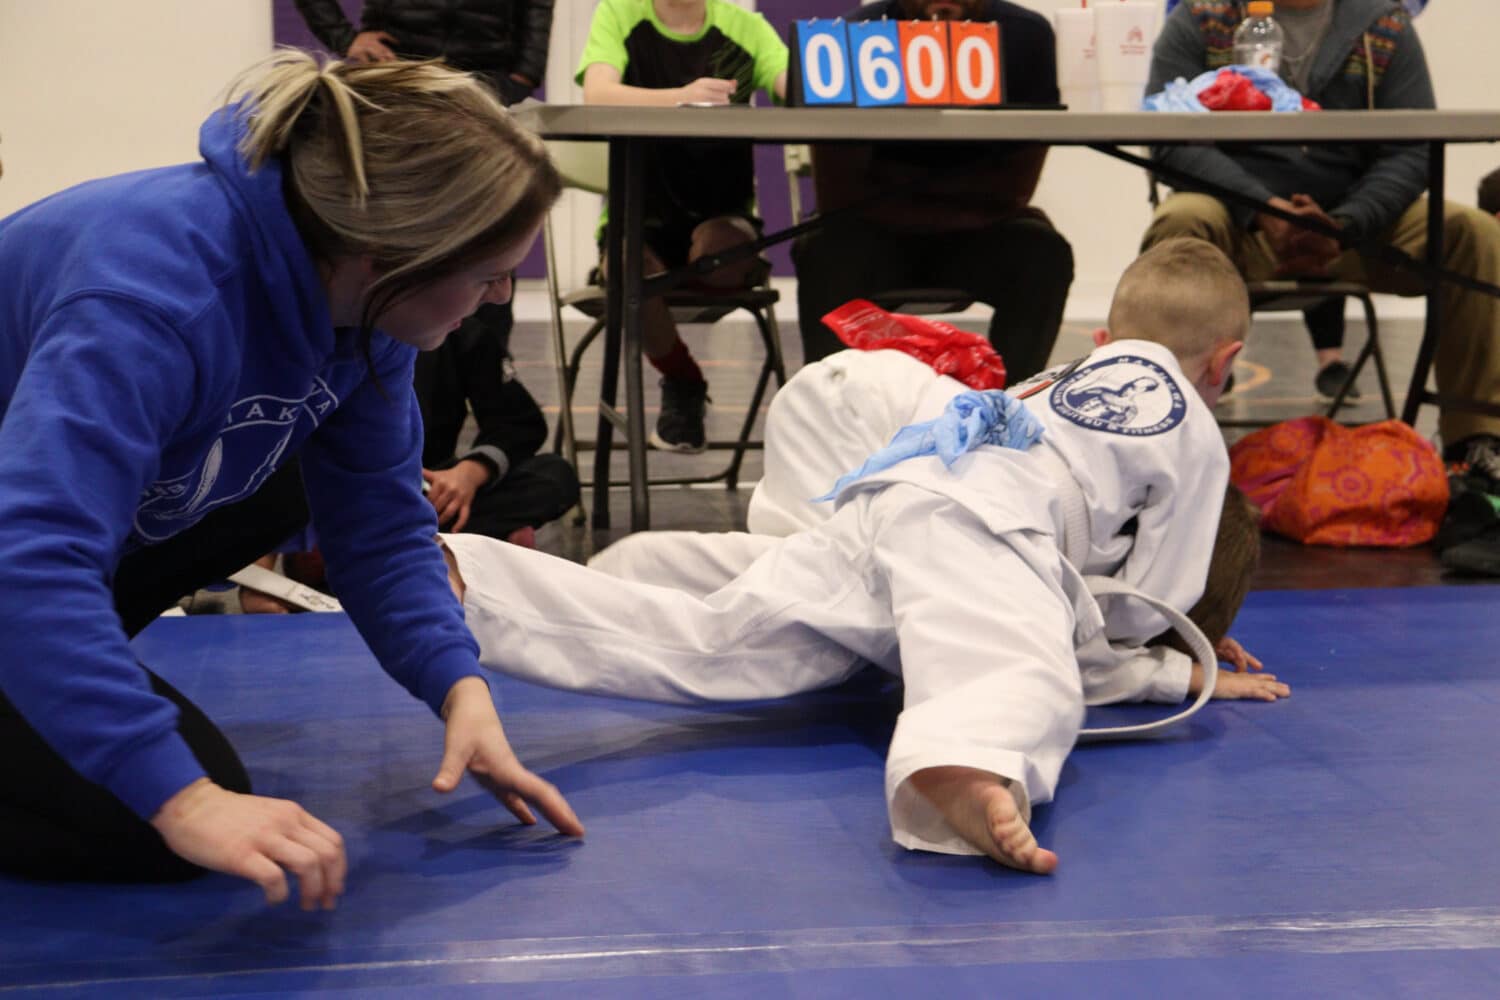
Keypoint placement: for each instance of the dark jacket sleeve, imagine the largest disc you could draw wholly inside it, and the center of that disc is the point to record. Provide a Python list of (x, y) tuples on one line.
[(535, 32), (326, 20), (1180, 52), (1397, 174)]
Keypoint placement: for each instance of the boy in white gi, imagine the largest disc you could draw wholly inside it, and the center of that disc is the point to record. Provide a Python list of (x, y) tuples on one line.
[(959, 566)]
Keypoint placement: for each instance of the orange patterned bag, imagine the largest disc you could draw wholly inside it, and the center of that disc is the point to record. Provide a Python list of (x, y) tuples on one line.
[(1322, 483)]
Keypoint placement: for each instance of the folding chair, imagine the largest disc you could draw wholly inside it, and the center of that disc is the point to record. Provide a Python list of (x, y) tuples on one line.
[(585, 166), (1299, 295)]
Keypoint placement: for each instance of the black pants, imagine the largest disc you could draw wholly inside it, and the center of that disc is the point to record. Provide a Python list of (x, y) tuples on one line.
[(1325, 323), (56, 824), (1021, 268), (534, 492)]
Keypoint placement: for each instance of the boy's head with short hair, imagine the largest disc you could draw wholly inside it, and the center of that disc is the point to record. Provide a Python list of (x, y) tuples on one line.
[(1186, 295)]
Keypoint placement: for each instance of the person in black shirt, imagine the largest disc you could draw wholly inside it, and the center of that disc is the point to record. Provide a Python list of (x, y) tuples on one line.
[(503, 42), (500, 486), (960, 215)]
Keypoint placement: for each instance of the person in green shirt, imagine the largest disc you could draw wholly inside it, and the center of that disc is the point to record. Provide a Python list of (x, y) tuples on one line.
[(699, 197)]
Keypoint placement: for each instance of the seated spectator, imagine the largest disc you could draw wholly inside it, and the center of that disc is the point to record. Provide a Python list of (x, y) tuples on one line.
[(500, 486), (958, 216), (503, 42), (699, 197), (1346, 55)]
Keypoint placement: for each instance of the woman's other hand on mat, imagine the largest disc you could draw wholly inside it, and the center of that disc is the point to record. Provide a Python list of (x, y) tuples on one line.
[(1237, 656), (1235, 686), (475, 741), (256, 838)]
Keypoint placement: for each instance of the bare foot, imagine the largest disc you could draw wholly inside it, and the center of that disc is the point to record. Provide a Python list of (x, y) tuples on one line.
[(981, 808)]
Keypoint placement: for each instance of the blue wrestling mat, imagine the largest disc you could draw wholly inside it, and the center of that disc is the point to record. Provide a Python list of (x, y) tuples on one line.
[(1341, 843)]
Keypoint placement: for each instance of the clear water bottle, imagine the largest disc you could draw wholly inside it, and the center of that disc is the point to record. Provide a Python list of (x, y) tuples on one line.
[(1258, 40)]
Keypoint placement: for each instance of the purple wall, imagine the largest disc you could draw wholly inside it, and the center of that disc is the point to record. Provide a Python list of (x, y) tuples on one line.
[(289, 29)]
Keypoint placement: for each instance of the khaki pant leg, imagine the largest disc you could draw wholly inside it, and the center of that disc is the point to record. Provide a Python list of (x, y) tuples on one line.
[(1467, 363), (1205, 217)]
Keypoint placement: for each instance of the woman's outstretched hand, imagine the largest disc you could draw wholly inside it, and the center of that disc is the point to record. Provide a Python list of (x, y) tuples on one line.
[(475, 741)]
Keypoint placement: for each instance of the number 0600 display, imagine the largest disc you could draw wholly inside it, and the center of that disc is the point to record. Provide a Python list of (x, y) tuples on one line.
[(872, 64)]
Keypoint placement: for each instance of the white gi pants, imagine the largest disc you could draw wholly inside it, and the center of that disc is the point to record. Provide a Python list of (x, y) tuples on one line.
[(978, 626)]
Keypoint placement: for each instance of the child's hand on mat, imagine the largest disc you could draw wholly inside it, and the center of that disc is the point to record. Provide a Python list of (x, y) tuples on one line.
[(1234, 686), (474, 740), (1237, 656), (256, 838)]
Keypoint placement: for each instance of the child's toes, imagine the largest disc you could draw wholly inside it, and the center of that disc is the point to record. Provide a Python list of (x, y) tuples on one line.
[(1014, 844)]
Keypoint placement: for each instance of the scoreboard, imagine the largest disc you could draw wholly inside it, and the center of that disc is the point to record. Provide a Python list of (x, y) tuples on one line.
[(884, 63)]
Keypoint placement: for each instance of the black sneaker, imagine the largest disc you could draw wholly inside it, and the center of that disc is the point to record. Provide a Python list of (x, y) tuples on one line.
[(1470, 513), (1479, 556), (1331, 378), (1476, 462), (679, 427)]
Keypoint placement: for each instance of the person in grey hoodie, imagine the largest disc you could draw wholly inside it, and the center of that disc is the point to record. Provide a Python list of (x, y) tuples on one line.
[(1346, 55)]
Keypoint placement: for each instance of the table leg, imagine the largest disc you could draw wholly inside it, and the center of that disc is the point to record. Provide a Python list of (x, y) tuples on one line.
[(614, 313), (622, 335), (635, 396), (1416, 393)]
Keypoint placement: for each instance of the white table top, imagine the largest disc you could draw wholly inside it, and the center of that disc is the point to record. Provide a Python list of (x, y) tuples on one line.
[(774, 124)]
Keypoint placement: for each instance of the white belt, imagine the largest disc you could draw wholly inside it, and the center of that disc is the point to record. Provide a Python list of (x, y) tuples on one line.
[(1074, 544), (1203, 652)]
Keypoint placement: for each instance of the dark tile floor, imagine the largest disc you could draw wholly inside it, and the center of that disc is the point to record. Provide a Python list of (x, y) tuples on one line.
[(1274, 379)]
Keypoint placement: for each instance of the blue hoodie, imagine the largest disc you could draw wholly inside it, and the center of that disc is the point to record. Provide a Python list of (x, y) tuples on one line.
[(165, 344)]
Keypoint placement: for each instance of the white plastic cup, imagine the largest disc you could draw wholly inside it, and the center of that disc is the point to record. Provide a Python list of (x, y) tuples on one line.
[(1125, 33), (1077, 62)]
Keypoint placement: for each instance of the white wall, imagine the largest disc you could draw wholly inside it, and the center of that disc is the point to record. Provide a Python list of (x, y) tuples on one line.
[(93, 87)]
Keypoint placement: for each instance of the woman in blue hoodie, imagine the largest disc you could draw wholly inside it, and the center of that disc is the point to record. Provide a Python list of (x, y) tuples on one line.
[(174, 344)]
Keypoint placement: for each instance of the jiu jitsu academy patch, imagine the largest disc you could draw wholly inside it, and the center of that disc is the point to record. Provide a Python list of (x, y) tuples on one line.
[(1127, 394)]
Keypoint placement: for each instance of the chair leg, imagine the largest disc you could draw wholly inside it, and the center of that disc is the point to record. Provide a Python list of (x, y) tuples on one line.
[(571, 369), (1370, 350), (1372, 345)]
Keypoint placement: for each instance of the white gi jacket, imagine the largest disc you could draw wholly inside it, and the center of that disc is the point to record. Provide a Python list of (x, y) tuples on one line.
[(953, 578), (1150, 468)]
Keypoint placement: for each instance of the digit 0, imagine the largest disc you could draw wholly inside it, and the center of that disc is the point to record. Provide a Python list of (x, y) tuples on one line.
[(975, 59), (824, 62), (924, 47)]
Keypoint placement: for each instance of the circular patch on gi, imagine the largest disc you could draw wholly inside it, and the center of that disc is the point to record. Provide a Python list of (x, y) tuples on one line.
[(1126, 394)]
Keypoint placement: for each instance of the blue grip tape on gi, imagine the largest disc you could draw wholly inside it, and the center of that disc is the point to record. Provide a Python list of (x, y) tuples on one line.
[(973, 418)]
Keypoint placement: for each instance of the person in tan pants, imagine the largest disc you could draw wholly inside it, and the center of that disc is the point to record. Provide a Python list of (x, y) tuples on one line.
[(1345, 55), (1468, 356)]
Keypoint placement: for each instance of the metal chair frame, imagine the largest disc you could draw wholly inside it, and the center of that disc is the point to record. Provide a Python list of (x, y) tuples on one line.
[(584, 166)]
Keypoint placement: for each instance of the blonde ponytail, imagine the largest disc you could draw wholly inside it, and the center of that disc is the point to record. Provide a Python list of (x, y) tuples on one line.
[(412, 163)]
